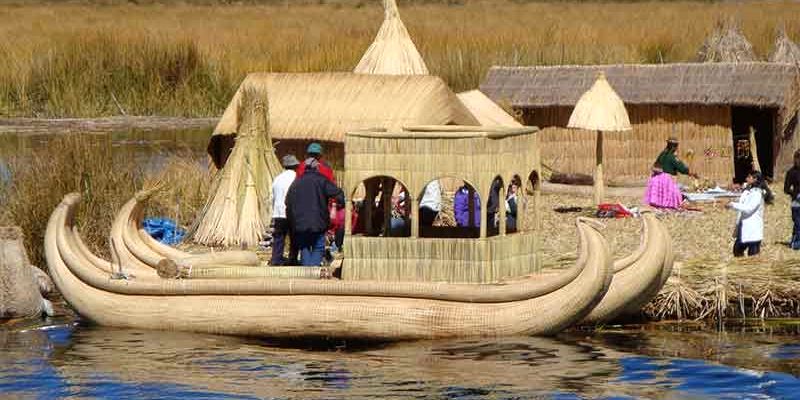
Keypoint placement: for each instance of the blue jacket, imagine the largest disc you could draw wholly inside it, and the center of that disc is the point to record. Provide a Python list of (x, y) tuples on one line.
[(461, 207)]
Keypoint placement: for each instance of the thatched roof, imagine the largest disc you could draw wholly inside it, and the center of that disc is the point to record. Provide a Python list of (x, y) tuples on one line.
[(747, 84), (392, 52), (785, 50), (323, 106), (727, 44), (600, 109), (486, 111)]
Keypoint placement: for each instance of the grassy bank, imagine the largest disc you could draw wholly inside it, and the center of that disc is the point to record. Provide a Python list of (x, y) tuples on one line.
[(61, 60)]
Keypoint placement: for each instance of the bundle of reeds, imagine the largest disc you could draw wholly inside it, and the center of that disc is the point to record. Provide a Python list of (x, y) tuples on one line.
[(785, 50), (239, 207), (727, 44), (392, 52)]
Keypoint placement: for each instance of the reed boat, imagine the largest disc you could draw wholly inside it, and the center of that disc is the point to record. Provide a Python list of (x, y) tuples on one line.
[(277, 307), (419, 285)]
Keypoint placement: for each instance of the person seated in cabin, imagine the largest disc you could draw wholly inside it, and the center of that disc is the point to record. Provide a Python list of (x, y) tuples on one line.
[(431, 203), (398, 223), (511, 204), (280, 224), (461, 207), (307, 211), (493, 205)]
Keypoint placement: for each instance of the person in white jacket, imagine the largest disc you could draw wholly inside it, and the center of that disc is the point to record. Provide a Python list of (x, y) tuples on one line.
[(749, 230)]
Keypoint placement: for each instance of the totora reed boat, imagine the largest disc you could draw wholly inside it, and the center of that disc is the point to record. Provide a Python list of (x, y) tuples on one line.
[(421, 282)]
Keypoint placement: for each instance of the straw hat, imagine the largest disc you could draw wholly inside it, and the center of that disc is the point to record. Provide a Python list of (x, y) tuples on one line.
[(289, 161), (600, 109)]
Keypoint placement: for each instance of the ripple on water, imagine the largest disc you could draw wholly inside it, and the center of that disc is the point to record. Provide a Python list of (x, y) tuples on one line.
[(69, 361)]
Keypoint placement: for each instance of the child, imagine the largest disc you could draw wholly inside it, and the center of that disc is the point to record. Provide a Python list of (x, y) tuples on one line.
[(749, 230)]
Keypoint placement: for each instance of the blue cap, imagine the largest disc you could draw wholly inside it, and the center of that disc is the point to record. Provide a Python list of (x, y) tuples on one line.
[(314, 148)]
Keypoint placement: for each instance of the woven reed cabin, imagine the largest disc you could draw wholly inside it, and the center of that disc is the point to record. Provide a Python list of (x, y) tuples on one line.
[(321, 107), (416, 156), (710, 108)]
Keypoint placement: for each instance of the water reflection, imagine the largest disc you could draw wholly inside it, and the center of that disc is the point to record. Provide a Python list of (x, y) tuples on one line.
[(66, 360)]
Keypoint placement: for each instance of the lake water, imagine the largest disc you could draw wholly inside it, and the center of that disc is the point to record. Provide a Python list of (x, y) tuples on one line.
[(66, 359)]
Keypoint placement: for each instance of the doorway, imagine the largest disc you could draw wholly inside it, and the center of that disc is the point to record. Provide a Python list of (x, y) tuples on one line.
[(762, 122)]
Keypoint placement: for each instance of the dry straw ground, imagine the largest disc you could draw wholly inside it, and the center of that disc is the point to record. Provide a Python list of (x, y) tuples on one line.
[(186, 59), (707, 280)]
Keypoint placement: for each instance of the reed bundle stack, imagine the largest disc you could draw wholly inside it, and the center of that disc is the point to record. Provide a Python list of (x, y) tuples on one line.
[(239, 208), (600, 109), (727, 44), (392, 52), (785, 51)]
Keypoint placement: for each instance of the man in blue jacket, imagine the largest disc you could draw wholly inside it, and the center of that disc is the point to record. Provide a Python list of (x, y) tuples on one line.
[(307, 211)]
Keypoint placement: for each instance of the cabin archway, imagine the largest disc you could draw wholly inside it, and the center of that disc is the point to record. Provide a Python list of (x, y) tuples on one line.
[(381, 206), (459, 214)]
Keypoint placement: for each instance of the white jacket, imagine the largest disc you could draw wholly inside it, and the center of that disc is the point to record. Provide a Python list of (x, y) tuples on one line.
[(280, 186), (750, 207)]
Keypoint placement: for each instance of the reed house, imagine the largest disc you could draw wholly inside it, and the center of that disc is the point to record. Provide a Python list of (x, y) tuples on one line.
[(321, 107), (712, 108)]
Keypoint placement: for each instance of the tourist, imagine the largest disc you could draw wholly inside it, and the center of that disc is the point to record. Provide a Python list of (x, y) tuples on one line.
[(493, 204), (336, 229), (511, 204), (662, 188), (307, 210), (749, 230), (314, 150), (431, 203), (280, 225), (461, 207), (791, 186)]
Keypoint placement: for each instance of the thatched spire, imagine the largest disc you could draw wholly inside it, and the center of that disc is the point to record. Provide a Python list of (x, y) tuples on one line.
[(239, 207), (786, 51), (392, 52), (727, 44)]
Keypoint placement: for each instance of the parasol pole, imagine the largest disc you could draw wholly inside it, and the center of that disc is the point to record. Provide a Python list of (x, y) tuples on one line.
[(599, 186)]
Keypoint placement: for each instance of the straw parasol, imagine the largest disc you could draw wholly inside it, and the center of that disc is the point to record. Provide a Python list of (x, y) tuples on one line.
[(392, 52), (727, 44), (785, 51), (600, 109), (239, 208)]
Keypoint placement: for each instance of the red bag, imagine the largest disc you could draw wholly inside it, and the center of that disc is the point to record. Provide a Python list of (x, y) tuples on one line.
[(608, 210)]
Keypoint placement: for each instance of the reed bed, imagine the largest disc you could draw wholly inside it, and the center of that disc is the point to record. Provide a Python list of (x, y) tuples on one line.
[(707, 282), (106, 177), (187, 59)]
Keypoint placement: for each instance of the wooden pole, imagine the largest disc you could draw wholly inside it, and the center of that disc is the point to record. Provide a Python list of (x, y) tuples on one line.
[(754, 151), (599, 187)]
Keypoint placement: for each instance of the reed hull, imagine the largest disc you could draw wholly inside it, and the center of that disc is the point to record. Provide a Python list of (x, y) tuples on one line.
[(341, 316)]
